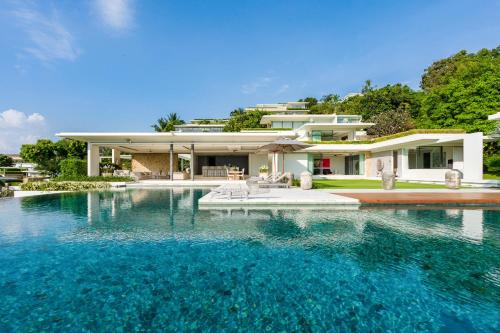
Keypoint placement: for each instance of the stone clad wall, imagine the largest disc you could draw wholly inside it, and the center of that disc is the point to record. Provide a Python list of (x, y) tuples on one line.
[(152, 162)]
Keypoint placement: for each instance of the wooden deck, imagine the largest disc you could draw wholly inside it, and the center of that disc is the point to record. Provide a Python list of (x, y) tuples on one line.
[(476, 198)]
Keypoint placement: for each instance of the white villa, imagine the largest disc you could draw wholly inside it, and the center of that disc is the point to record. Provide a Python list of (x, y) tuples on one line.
[(340, 148)]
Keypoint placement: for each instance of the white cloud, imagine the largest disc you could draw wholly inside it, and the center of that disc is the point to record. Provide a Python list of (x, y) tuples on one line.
[(17, 128), (50, 40), (282, 89), (117, 14), (251, 88)]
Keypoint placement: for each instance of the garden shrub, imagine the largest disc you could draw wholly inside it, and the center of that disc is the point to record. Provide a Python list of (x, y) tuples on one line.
[(65, 186), (73, 167), (92, 179), (493, 163), (5, 192)]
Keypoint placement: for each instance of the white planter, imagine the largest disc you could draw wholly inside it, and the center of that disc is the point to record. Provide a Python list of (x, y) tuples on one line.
[(306, 180), (263, 174)]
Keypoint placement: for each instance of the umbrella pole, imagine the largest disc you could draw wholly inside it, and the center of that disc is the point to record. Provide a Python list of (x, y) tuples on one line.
[(283, 164)]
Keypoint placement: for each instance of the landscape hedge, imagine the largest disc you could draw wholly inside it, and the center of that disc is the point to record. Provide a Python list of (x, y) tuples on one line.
[(73, 167), (92, 179), (65, 186)]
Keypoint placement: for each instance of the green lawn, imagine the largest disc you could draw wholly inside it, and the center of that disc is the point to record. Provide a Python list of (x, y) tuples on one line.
[(365, 184), (491, 176)]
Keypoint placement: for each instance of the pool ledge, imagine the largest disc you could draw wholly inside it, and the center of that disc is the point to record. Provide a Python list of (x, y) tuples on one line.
[(292, 197)]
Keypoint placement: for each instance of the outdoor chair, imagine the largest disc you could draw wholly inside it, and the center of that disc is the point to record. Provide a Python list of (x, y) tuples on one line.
[(230, 190), (285, 180)]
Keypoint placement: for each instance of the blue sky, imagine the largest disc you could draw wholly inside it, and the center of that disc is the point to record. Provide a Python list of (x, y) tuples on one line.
[(118, 65)]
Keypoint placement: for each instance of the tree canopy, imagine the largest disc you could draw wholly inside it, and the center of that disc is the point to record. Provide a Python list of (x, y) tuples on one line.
[(6, 161), (167, 124), (461, 91), (457, 92), (239, 121), (47, 154)]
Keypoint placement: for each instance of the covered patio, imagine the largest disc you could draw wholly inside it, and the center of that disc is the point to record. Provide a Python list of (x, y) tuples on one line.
[(180, 156)]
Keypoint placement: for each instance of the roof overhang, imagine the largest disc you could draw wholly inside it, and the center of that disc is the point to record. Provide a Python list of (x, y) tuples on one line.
[(495, 116), (160, 142), (336, 126)]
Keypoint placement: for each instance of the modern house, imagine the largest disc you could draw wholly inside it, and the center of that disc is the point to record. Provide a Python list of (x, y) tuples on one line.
[(339, 148)]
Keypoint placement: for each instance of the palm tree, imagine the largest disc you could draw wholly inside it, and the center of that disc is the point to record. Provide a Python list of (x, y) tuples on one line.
[(167, 124)]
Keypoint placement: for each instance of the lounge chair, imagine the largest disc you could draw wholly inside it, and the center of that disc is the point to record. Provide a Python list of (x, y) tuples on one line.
[(285, 180), (230, 190)]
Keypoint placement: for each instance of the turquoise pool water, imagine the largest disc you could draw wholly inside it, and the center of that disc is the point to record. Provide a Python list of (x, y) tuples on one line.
[(149, 260)]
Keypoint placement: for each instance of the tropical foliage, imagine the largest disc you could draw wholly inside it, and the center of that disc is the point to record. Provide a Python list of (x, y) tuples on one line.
[(73, 167), (461, 91), (493, 163), (65, 186), (48, 155), (6, 161), (391, 122), (457, 92), (239, 121), (167, 124), (92, 179)]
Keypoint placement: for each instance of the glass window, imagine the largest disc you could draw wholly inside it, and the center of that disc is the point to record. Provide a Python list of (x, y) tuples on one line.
[(287, 124), (426, 158), (326, 135), (277, 124), (316, 135), (297, 124)]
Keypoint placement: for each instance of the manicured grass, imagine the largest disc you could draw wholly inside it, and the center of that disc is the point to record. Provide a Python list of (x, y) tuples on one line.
[(365, 184), (491, 176)]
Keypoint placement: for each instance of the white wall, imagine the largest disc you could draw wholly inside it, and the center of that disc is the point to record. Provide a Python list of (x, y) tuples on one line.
[(337, 163), (424, 174), (385, 157), (473, 157), (458, 158), (254, 163), (295, 163)]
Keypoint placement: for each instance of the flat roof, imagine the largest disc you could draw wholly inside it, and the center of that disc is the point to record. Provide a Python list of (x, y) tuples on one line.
[(495, 116), (174, 137)]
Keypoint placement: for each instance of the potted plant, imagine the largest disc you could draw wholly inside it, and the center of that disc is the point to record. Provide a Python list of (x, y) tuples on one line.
[(263, 171), (107, 169)]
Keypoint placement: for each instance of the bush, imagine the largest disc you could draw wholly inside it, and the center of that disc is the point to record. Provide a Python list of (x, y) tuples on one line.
[(6, 161), (73, 167), (127, 164), (65, 186), (5, 192), (493, 163), (92, 179)]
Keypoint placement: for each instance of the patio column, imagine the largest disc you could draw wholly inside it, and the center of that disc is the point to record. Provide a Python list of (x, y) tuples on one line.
[(171, 170), (191, 162), (115, 156), (92, 160), (473, 157)]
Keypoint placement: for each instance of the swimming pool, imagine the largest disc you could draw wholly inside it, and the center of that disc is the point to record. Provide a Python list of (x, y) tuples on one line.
[(148, 259)]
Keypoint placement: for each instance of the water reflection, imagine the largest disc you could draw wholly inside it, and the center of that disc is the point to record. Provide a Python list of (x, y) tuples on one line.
[(440, 242), (451, 252)]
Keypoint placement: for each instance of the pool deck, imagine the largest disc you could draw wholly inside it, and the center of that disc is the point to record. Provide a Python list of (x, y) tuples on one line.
[(352, 198), (430, 196), (291, 197)]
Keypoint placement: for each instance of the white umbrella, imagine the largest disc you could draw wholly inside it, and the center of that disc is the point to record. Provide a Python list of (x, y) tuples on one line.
[(282, 146)]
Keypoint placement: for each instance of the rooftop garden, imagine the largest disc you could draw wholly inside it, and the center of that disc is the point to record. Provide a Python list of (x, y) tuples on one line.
[(394, 136), (265, 129)]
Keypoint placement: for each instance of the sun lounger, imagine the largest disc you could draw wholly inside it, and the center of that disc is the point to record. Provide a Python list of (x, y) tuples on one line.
[(284, 180), (231, 190)]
